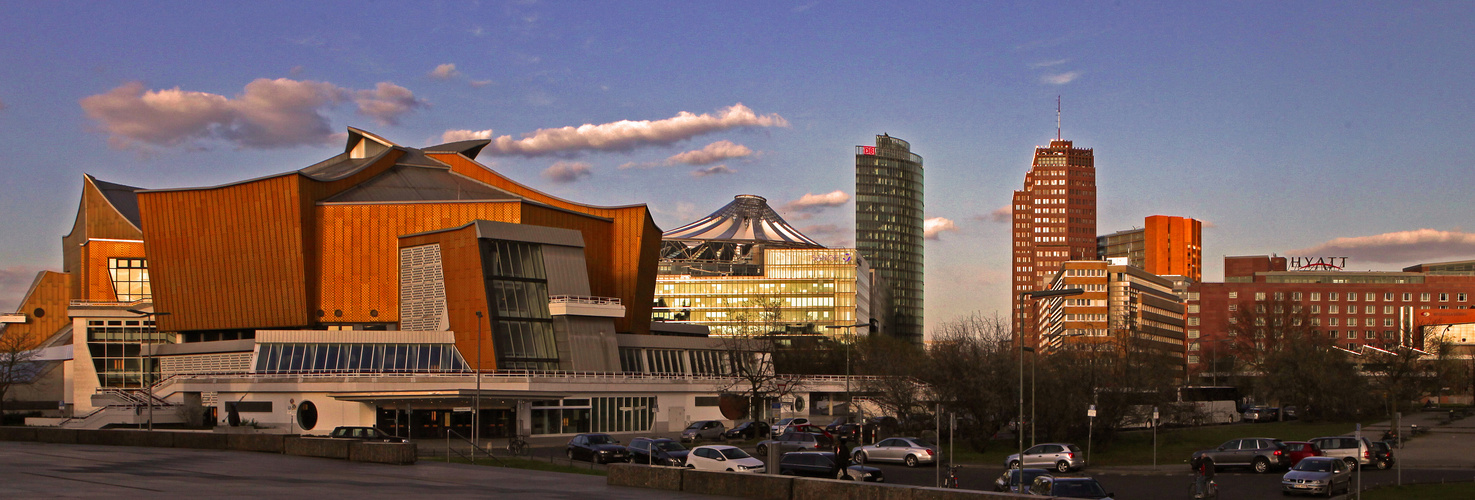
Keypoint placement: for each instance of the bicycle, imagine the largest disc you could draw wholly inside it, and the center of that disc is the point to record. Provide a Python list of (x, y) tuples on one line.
[(1203, 489), (517, 446), (951, 481)]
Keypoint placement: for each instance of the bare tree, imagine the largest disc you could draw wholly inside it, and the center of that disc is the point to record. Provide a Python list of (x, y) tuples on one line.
[(970, 369), (1278, 346), (17, 362), (750, 354)]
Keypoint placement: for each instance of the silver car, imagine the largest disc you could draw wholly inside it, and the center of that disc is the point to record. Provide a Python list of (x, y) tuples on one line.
[(1060, 457), (1317, 476), (908, 450), (1350, 449), (703, 429)]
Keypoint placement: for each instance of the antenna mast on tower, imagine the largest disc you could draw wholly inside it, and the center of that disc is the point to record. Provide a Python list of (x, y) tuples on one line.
[(1057, 117)]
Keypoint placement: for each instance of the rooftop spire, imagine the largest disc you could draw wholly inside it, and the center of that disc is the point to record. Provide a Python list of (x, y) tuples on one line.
[(1057, 117)]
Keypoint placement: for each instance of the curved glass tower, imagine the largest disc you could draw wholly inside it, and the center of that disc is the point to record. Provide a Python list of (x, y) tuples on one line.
[(888, 229)]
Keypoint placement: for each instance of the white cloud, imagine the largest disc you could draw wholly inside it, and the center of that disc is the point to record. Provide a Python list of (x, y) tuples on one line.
[(1421, 245), (565, 172), (933, 228), (712, 170), (835, 236), (465, 135), (712, 153), (445, 72), (266, 114), (626, 135), (1046, 64), (1060, 78), (811, 202)]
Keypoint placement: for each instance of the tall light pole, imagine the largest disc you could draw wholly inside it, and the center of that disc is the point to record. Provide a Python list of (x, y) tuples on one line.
[(1026, 298), (149, 360), (476, 405), (849, 339)]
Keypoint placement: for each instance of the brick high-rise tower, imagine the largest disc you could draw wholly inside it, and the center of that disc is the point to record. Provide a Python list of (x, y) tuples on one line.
[(1054, 222)]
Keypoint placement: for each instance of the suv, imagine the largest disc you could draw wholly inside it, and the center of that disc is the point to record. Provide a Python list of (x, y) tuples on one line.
[(657, 451), (1260, 454), (1062, 457), (365, 434), (1383, 454), (1350, 449), (703, 429)]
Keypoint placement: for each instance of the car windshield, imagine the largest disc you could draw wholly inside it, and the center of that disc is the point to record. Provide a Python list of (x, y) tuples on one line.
[(734, 453), (1314, 466), (669, 446), (601, 439), (1078, 489), (695, 425)]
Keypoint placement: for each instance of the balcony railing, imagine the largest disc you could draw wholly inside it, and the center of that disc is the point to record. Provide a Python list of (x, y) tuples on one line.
[(582, 299)]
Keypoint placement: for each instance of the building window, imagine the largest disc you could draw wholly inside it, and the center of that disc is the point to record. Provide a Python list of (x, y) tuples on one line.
[(1388, 297), (1193, 333), (1333, 309), (1371, 296), (1387, 321), (1295, 295), (1331, 296), (1352, 297), (1423, 297), (1408, 297), (1192, 308), (1233, 295), (1193, 346), (1331, 322), (1332, 334), (1444, 297), (517, 287), (1233, 307), (1259, 295), (1351, 309), (1351, 321), (1316, 296), (1316, 309), (130, 279), (1193, 359), (1460, 297)]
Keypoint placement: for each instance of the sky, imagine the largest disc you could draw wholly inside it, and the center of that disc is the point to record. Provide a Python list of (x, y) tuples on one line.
[(1289, 128)]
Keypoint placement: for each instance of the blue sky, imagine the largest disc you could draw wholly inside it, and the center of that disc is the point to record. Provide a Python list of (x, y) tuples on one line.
[(1328, 128)]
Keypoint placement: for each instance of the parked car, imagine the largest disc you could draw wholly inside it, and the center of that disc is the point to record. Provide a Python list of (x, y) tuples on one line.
[(1260, 454), (597, 448), (748, 430), (836, 423), (1350, 449), (1261, 414), (721, 457), (1383, 454), (1317, 476), (1061, 457), (1291, 412), (1068, 487), (657, 451), (849, 431), (797, 441), (908, 450), (824, 464), (703, 429), (1010, 482), (783, 424), (364, 434), (1301, 449)]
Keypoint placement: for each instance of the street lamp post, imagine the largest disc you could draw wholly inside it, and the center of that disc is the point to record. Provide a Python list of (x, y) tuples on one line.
[(476, 405), (1025, 298), (149, 361), (849, 339)]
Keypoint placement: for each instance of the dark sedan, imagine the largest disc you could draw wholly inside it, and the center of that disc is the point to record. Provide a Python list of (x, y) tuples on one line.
[(597, 448), (748, 430), (826, 465), (657, 451)]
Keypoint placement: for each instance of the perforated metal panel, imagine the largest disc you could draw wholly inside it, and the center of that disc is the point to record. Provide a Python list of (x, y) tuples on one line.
[(422, 289)]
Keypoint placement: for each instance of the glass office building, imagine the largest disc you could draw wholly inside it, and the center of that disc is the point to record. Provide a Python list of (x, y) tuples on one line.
[(744, 271), (888, 227)]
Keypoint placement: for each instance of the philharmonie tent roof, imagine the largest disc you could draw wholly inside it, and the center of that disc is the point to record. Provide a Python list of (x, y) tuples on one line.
[(748, 219)]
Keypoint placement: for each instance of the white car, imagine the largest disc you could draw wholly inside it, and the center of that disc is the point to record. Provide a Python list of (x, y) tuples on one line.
[(782, 425), (717, 457)]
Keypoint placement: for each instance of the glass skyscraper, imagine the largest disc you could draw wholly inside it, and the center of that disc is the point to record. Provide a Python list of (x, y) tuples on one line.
[(888, 228)]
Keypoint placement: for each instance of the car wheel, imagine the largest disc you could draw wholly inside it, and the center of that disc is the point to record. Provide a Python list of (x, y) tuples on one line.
[(1261, 465), (1384, 465), (570, 454), (911, 461), (599, 460), (1014, 464), (1351, 463), (1062, 466), (730, 470), (689, 466), (860, 457), (762, 450)]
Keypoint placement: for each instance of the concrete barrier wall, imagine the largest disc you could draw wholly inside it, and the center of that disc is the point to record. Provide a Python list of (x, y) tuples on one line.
[(343, 449), (201, 441), (749, 485), (317, 447), (781, 487), (639, 476), (268, 443), (383, 453)]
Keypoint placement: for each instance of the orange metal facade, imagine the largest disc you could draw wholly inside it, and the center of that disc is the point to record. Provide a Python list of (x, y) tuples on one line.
[(45, 307), (460, 255), (1174, 247), (271, 253)]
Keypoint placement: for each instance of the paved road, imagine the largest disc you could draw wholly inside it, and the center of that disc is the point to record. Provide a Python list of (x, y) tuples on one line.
[(39, 470)]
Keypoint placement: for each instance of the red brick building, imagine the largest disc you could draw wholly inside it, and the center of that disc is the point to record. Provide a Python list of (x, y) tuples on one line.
[(1364, 308)]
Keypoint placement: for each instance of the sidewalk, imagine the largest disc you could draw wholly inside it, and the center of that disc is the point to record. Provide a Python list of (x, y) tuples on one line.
[(1445, 446)]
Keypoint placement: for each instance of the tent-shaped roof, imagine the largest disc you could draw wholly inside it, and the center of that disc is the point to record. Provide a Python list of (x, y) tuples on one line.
[(748, 219)]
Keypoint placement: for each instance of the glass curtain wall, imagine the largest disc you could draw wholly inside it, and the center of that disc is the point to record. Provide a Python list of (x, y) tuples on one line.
[(517, 287), (116, 349)]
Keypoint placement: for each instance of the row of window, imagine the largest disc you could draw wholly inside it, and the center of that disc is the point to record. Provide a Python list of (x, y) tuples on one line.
[(358, 358), (1352, 296)]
